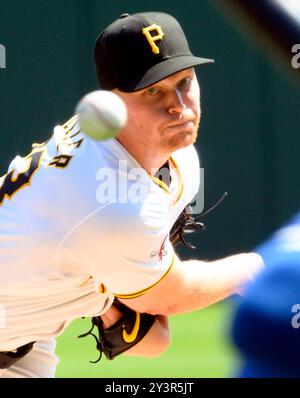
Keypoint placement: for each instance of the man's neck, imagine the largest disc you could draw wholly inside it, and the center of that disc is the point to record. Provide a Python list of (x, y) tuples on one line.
[(151, 161)]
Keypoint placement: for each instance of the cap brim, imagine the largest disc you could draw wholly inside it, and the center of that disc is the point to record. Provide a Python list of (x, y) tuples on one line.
[(163, 70)]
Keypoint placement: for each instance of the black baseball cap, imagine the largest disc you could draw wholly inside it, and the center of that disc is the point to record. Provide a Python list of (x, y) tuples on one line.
[(141, 49)]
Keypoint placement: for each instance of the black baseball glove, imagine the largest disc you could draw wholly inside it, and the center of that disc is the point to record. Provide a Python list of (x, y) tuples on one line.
[(187, 224), (122, 335)]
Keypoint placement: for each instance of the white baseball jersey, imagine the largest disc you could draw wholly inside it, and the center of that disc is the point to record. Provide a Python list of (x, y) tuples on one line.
[(80, 223)]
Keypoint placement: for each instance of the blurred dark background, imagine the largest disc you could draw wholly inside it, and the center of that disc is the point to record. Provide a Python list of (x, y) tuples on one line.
[(249, 137)]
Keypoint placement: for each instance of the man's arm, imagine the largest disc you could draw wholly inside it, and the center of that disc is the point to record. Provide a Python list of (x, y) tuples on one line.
[(193, 285)]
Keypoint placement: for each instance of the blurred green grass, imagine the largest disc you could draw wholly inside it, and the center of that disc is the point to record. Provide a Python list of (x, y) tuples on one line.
[(200, 347)]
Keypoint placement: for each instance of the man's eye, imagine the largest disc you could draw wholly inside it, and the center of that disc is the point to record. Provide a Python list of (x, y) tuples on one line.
[(186, 82), (152, 91)]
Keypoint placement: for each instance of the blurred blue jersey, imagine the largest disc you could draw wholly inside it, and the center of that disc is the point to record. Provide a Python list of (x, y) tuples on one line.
[(266, 326)]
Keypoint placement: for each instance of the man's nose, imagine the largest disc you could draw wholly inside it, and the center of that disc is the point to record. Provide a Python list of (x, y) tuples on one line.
[(176, 104)]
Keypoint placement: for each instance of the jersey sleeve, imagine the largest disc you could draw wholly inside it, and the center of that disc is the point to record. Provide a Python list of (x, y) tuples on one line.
[(126, 254), (134, 271)]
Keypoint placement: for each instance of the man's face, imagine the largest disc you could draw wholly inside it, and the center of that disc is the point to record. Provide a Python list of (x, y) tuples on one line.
[(165, 116)]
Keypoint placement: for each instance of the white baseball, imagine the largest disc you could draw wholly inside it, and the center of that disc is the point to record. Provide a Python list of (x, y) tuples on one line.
[(102, 114)]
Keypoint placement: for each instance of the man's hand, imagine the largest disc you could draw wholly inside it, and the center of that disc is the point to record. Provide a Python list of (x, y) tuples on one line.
[(254, 270)]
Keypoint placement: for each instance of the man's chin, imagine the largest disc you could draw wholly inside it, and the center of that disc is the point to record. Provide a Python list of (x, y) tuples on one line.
[(183, 140)]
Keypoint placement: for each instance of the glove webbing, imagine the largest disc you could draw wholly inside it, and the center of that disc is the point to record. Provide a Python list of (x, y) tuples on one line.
[(187, 224)]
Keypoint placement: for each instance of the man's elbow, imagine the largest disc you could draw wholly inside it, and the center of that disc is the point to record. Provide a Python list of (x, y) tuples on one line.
[(161, 346), (165, 310)]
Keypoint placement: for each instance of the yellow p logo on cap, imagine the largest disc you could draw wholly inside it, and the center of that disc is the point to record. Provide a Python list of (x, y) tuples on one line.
[(152, 39)]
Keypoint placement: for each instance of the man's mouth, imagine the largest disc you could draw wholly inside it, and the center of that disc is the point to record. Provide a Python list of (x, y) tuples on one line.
[(185, 125)]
